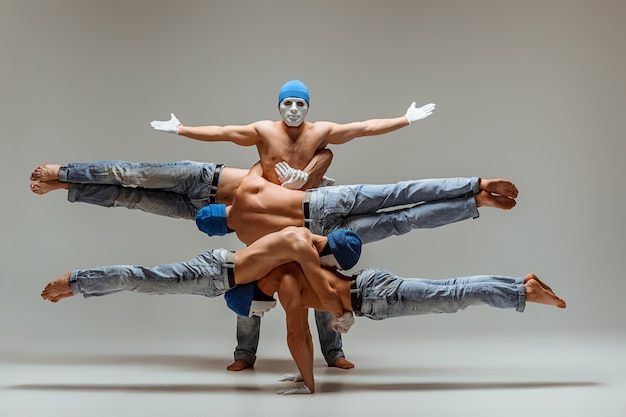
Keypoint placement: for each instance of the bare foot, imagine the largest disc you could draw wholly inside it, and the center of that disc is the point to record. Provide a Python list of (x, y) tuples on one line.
[(46, 172), (536, 292), (533, 276), (504, 188), (486, 199), (58, 289), (239, 365), (342, 363), (47, 186)]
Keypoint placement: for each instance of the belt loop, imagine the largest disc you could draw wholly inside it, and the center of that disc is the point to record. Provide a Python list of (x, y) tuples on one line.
[(214, 183), (306, 206)]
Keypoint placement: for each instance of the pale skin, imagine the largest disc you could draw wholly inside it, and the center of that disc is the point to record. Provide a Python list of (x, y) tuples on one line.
[(270, 208)]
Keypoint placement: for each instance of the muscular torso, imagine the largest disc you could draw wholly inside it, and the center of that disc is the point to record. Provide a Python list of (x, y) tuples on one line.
[(296, 146), (261, 207)]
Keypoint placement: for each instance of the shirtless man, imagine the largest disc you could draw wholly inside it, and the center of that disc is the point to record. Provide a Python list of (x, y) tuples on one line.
[(285, 147), (292, 139), (214, 272), (179, 189), (261, 207), (295, 263), (378, 294)]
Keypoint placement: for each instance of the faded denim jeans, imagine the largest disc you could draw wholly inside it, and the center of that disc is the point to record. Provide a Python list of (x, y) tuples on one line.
[(385, 295), (205, 275), (375, 211), (173, 189), (248, 334)]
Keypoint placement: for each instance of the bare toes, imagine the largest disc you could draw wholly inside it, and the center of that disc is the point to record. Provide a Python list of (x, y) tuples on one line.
[(504, 188), (45, 172)]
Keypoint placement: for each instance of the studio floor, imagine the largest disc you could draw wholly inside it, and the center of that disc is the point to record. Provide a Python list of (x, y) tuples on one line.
[(482, 376)]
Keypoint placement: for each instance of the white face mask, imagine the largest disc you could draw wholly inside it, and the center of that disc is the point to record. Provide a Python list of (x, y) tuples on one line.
[(293, 110), (259, 308)]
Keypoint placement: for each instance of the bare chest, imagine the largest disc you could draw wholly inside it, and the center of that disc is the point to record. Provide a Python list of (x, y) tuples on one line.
[(297, 153)]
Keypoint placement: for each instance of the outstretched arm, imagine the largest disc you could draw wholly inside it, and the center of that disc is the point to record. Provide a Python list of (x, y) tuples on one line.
[(342, 133), (299, 337), (241, 135)]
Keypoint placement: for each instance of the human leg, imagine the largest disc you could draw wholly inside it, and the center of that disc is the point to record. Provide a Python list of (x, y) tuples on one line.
[(183, 177), (163, 203), (378, 226), (385, 295), (330, 341), (174, 189), (203, 275), (248, 333), (358, 207), (349, 200)]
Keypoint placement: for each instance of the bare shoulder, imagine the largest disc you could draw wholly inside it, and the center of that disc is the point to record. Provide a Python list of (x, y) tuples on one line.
[(267, 125), (323, 125)]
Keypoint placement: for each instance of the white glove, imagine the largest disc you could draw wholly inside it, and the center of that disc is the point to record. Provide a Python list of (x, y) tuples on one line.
[(291, 378), (326, 181), (342, 324), (302, 389), (290, 178), (414, 114), (170, 126)]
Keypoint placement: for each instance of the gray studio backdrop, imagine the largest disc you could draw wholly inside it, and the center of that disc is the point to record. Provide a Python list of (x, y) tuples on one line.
[(531, 91)]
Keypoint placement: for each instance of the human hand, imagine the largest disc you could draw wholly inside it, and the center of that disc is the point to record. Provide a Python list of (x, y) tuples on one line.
[(169, 126), (290, 178), (301, 389), (291, 378), (344, 323), (413, 114)]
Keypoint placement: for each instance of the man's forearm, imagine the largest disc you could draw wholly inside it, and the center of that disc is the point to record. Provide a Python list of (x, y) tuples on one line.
[(375, 127), (302, 354), (317, 167), (314, 275)]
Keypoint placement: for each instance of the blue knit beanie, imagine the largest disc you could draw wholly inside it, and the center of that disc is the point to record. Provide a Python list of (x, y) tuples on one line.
[(294, 88), (211, 220), (346, 247), (240, 298)]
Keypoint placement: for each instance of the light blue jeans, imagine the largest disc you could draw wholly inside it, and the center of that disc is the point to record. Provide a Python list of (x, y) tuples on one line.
[(173, 189), (376, 212), (385, 295), (249, 331), (206, 275)]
